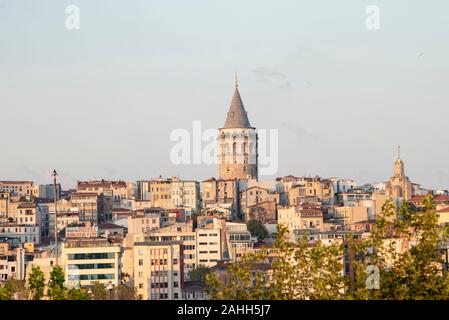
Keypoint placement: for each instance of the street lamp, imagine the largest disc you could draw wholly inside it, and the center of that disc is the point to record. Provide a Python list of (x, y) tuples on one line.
[(54, 174), (110, 286)]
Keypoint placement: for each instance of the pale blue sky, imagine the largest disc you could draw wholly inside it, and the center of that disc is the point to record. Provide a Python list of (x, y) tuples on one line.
[(101, 102)]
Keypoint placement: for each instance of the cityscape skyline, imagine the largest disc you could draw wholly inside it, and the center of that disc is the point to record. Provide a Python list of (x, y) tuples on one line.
[(224, 151), (117, 100)]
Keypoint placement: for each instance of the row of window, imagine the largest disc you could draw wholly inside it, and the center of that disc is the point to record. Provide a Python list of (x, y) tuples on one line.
[(162, 296), (91, 266), (91, 256), (79, 277)]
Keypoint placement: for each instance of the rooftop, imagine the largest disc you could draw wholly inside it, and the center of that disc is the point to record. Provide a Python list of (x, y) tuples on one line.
[(237, 116)]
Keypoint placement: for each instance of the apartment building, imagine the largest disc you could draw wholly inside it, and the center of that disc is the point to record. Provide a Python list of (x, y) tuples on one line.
[(209, 243), (17, 188), (348, 215), (238, 240), (46, 191), (297, 218), (143, 223), (179, 232), (118, 190), (170, 193), (308, 188), (91, 259), (89, 204), (12, 264), (255, 195), (158, 269), (21, 233), (221, 192)]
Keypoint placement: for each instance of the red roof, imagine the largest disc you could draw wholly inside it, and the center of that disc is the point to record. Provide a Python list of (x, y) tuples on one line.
[(441, 198), (444, 210), (438, 198)]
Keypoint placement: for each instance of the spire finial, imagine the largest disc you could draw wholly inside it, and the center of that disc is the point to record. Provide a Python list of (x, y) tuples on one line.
[(399, 152), (236, 82)]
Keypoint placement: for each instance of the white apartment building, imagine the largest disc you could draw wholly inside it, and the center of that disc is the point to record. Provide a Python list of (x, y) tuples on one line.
[(209, 244), (12, 265), (91, 259), (20, 232), (158, 270), (17, 188)]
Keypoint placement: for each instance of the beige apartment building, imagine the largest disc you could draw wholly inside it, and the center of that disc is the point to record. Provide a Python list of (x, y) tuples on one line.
[(117, 189), (143, 223), (221, 192), (89, 204), (322, 189), (348, 215), (91, 259), (179, 232), (296, 218), (170, 193), (255, 195), (158, 269)]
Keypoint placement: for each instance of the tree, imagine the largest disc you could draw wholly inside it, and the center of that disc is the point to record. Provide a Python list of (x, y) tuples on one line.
[(198, 273), (36, 283), (288, 271), (78, 294), (16, 290), (416, 273), (99, 291), (123, 292), (56, 288), (5, 294), (257, 229)]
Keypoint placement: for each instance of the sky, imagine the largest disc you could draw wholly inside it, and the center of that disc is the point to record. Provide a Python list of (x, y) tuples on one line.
[(101, 101)]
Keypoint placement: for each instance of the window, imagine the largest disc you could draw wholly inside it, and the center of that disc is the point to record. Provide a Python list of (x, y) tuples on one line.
[(140, 285), (140, 262)]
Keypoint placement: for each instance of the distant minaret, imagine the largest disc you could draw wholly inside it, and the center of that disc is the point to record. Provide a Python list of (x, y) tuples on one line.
[(399, 165), (238, 142)]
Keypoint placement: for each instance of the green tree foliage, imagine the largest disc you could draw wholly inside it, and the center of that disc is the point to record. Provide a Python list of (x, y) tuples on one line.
[(123, 292), (56, 288), (15, 290), (78, 294), (198, 273), (297, 271), (36, 283), (5, 294), (99, 291), (419, 272), (257, 229)]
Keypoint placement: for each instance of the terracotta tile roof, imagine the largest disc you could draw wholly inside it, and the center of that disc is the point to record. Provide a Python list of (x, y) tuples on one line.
[(444, 210)]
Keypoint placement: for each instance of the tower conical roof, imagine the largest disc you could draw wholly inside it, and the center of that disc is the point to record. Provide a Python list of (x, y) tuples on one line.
[(237, 116)]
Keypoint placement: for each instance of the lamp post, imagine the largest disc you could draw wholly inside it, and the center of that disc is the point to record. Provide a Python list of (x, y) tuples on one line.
[(54, 174), (110, 286)]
